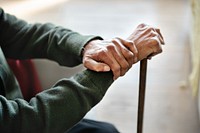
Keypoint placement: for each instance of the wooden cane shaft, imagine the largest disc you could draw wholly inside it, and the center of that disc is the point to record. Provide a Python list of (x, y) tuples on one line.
[(141, 99)]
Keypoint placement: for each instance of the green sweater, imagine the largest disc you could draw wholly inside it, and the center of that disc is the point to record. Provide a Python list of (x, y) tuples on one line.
[(57, 109)]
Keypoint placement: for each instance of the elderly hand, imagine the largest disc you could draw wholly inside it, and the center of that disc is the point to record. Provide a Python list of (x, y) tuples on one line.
[(118, 55), (148, 41)]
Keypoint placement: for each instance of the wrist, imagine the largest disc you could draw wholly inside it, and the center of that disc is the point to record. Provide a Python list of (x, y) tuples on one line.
[(89, 45)]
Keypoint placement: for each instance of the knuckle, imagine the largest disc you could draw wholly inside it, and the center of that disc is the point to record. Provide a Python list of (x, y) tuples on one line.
[(153, 33), (136, 53), (114, 40), (118, 39), (102, 52), (130, 55), (150, 29), (110, 47), (158, 30), (130, 43), (142, 25)]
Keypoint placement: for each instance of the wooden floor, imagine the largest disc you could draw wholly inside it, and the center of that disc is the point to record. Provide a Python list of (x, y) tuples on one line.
[(170, 106)]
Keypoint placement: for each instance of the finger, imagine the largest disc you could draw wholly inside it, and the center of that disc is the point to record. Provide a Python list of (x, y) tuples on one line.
[(153, 32), (119, 66), (155, 45), (142, 26), (156, 34), (107, 56), (135, 52), (129, 51), (124, 51), (150, 32), (161, 39), (131, 46), (96, 66), (140, 29), (158, 31), (114, 66)]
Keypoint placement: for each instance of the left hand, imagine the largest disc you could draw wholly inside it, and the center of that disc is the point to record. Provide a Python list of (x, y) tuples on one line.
[(117, 55)]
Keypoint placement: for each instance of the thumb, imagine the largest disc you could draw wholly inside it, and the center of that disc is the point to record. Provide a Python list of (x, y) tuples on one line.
[(96, 66)]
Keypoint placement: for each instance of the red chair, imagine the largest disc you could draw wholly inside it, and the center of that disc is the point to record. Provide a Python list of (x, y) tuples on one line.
[(27, 77)]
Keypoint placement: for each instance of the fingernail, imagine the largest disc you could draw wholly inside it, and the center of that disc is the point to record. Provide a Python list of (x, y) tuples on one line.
[(106, 68)]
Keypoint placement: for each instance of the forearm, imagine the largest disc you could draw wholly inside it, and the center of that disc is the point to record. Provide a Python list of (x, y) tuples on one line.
[(58, 108), (21, 40)]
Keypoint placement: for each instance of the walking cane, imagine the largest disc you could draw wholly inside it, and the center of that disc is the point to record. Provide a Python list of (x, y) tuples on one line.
[(141, 100)]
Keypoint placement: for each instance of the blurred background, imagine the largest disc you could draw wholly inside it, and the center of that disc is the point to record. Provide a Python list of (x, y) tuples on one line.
[(171, 105)]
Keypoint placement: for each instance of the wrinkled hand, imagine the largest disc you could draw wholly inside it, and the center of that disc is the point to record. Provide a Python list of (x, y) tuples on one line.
[(148, 41), (117, 55)]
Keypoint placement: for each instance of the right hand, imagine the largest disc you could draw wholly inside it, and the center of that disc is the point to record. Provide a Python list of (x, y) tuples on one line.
[(148, 41), (118, 54)]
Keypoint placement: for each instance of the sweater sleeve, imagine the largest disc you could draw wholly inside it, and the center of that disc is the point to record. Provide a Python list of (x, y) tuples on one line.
[(20, 40), (57, 109)]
